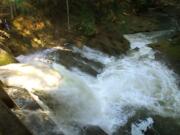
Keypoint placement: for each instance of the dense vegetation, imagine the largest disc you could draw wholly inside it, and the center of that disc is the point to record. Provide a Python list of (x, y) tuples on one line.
[(92, 22), (85, 15)]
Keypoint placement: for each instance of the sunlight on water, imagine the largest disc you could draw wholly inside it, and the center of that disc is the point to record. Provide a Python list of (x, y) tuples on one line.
[(38, 76), (125, 85)]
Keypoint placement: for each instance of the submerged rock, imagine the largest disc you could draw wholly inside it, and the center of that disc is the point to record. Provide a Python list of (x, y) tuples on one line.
[(68, 55), (93, 130), (72, 59)]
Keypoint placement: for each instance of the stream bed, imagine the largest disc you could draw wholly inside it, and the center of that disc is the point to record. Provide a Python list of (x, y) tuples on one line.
[(132, 94)]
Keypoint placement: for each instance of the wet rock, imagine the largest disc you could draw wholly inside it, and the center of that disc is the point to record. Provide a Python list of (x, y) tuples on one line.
[(168, 50), (110, 43), (166, 125), (47, 99), (161, 125), (38, 122), (22, 98), (71, 59), (136, 49), (93, 130), (31, 113), (5, 98), (126, 129), (10, 124)]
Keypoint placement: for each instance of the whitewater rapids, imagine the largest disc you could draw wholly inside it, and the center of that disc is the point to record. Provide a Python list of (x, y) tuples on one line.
[(126, 84)]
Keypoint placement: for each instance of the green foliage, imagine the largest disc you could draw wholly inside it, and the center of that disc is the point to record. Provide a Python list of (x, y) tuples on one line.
[(87, 26), (143, 5), (5, 58), (86, 20)]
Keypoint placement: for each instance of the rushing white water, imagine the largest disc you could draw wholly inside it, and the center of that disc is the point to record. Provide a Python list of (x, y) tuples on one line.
[(38, 77), (126, 84), (142, 126)]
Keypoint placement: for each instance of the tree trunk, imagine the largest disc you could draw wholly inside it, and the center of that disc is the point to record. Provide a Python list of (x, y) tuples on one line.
[(11, 10), (68, 19)]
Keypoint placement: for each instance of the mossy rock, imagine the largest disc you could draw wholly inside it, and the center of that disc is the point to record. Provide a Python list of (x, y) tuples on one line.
[(6, 58), (169, 49), (110, 43), (161, 125)]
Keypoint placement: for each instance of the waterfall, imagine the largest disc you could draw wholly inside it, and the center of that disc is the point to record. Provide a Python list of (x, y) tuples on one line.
[(125, 85)]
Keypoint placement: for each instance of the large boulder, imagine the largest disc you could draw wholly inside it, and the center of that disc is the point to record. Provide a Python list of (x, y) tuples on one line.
[(72, 59), (30, 112), (10, 124), (4, 97), (168, 50), (109, 43), (156, 124), (93, 130)]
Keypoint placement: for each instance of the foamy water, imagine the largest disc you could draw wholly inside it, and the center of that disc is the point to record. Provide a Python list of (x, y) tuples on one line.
[(126, 84)]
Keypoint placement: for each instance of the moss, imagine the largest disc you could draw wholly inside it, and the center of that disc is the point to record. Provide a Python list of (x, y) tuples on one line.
[(85, 22), (6, 58), (172, 52), (170, 49), (87, 28)]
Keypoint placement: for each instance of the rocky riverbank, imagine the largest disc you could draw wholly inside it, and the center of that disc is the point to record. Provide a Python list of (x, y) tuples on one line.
[(100, 25), (167, 50)]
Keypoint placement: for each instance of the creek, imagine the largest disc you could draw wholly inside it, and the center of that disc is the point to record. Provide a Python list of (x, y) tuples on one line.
[(126, 85)]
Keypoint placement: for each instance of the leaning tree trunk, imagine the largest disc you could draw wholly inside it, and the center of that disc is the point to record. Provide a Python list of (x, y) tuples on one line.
[(12, 6), (68, 18)]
